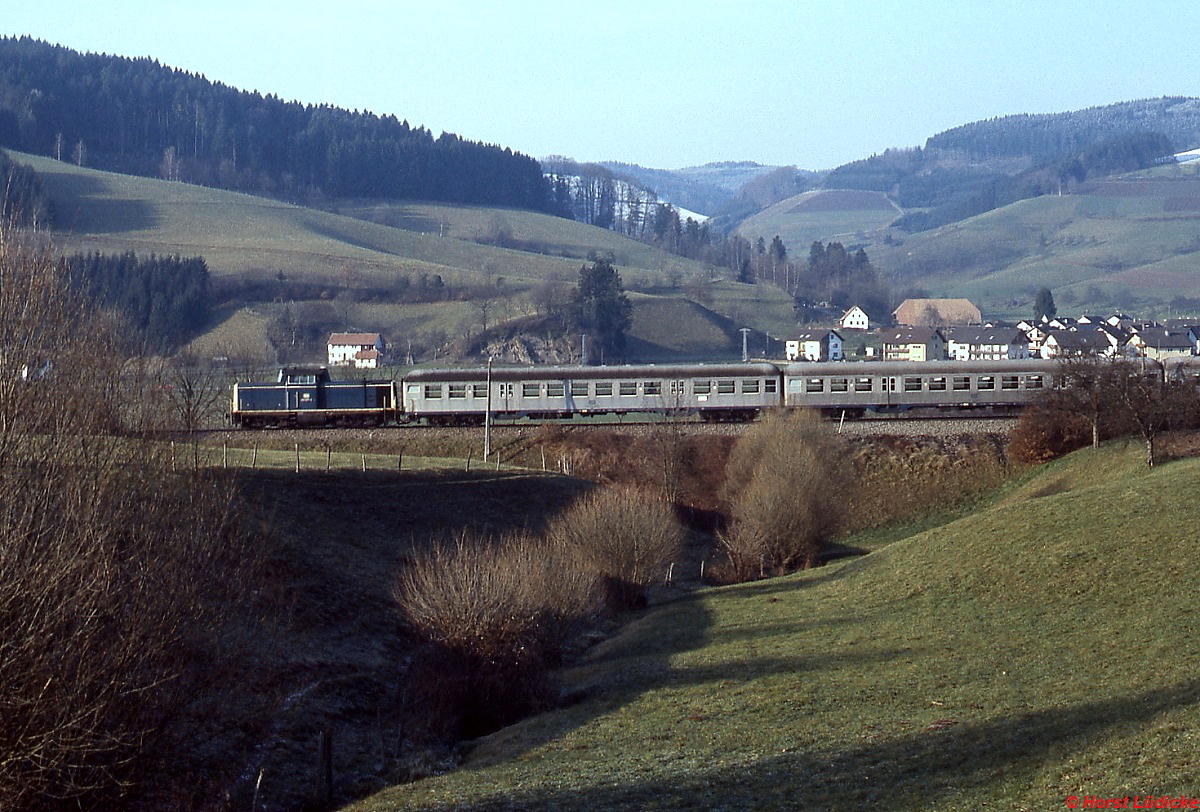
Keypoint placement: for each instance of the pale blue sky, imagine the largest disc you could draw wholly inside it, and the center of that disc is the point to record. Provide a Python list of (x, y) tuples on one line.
[(664, 84)]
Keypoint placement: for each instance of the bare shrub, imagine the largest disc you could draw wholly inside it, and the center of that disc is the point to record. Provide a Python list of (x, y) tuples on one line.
[(626, 536), (115, 575), (787, 487), (498, 614), (1043, 433)]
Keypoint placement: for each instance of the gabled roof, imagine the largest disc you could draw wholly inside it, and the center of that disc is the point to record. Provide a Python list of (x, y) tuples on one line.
[(945, 311), (910, 335), (1163, 339), (990, 336), (1078, 340), (815, 335), (353, 339)]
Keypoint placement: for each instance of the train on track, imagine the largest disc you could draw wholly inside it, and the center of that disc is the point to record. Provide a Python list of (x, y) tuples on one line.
[(308, 396)]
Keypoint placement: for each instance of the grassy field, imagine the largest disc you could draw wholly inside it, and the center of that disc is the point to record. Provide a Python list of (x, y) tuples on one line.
[(1130, 244), (1039, 648), (833, 215), (366, 244)]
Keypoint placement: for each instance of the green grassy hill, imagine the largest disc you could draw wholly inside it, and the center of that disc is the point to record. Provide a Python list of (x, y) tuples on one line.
[(828, 215), (1040, 648), (368, 245), (1131, 244)]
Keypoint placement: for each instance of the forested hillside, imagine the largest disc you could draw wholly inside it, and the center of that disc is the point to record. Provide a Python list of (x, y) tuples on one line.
[(981, 166), (139, 117)]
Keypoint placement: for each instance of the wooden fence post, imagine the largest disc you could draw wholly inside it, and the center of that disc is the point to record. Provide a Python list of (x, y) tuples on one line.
[(297, 458)]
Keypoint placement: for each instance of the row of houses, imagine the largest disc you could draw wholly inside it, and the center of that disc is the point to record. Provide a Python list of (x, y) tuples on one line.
[(1119, 336)]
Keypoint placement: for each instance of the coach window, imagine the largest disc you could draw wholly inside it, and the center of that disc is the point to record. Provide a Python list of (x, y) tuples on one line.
[(579, 389), (504, 390), (912, 384), (750, 387), (555, 390), (531, 390), (839, 385), (433, 391), (628, 388), (962, 383), (862, 384), (1033, 381), (986, 383), (604, 389), (479, 390), (702, 387), (653, 387), (769, 386), (458, 391), (1010, 381), (726, 387), (937, 384), (814, 385)]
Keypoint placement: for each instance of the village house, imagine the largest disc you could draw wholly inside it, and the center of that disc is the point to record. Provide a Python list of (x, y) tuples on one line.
[(986, 343), (1075, 343), (1160, 343), (815, 345), (913, 344), (855, 319), (359, 350), (936, 313)]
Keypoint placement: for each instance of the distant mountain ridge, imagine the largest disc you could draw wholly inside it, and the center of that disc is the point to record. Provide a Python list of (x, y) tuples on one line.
[(703, 189)]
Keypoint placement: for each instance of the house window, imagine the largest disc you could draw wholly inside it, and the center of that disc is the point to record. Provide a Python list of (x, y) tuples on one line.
[(726, 387), (628, 389), (750, 387), (531, 390), (556, 389), (604, 389), (579, 389)]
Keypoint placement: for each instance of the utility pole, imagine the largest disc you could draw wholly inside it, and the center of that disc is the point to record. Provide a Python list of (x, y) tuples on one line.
[(745, 331), (487, 415), (583, 349)]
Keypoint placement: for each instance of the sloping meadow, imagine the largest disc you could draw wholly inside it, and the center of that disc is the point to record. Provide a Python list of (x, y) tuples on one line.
[(1038, 649)]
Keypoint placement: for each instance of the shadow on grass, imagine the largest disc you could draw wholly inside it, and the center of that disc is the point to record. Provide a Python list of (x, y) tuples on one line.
[(85, 205), (914, 771)]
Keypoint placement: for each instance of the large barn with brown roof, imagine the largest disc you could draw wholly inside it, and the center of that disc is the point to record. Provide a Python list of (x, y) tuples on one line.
[(937, 313)]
